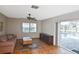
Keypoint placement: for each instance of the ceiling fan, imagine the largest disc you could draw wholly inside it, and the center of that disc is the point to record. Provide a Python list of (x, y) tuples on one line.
[(31, 18)]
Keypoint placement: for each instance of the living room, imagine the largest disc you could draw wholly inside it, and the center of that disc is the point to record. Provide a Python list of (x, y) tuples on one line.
[(15, 19)]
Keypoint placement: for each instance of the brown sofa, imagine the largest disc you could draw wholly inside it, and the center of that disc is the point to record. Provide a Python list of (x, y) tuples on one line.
[(7, 43)]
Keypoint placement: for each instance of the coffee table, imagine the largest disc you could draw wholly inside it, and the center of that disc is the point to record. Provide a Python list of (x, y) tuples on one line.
[(27, 40), (27, 43)]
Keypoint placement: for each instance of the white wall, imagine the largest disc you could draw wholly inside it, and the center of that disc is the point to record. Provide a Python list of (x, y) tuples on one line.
[(3, 19), (14, 26), (49, 25)]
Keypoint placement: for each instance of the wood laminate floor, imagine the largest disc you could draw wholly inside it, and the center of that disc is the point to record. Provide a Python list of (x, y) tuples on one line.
[(41, 48)]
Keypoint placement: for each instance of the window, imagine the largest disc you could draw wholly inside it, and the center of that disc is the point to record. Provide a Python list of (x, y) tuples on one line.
[(32, 27), (25, 27), (29, 27)]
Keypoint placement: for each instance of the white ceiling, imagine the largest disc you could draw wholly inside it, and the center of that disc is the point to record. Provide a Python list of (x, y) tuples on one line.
[(44, 11)]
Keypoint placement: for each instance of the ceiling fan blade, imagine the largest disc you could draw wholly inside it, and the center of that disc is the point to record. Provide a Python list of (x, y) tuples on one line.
[(34, 19)]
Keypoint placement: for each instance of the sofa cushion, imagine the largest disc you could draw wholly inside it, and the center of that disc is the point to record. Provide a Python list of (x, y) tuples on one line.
[(10, 36), (3, 38)]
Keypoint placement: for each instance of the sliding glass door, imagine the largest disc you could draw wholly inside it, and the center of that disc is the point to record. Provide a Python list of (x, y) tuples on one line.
[(69, 35)]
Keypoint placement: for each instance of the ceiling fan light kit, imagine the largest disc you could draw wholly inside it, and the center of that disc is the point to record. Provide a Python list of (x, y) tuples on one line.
[(31, 18)]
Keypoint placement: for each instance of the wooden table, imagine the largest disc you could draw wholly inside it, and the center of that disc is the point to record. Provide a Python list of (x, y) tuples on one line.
[(27, 40)]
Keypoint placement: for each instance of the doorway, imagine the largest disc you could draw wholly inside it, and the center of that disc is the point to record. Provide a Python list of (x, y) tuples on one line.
[(69, 35)]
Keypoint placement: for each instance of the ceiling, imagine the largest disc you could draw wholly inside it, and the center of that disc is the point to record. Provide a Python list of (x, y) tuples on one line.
[(43, 12)]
